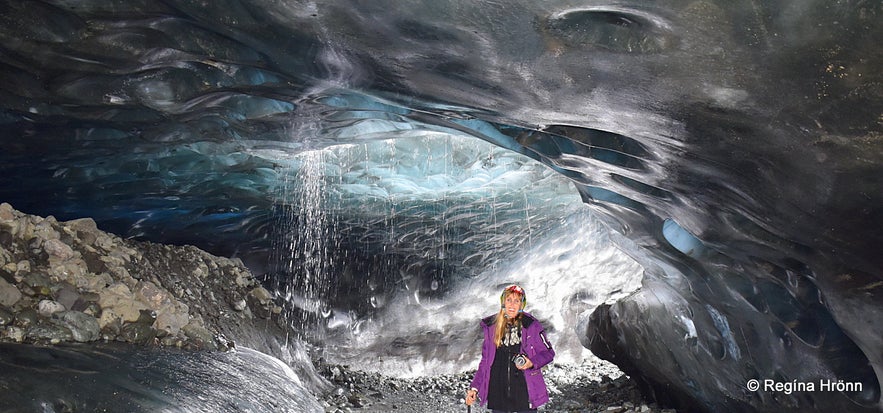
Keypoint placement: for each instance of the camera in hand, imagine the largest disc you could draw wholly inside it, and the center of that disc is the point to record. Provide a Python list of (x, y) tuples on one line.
[(519, 360)]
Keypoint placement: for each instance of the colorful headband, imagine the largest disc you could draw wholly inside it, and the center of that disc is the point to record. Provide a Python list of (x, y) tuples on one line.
[(514, 288)]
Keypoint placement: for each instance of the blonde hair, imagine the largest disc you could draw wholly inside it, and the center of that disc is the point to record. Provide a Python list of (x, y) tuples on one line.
[(502, 322)]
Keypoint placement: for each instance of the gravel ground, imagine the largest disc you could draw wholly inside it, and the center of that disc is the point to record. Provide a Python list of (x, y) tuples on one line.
[(594, 386)]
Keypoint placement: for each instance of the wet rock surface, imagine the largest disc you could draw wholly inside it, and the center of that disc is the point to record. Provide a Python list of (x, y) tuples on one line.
[(590, 387), (71, 282)]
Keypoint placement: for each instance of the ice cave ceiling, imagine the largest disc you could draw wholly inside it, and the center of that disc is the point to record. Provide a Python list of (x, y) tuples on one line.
[(733, 147)]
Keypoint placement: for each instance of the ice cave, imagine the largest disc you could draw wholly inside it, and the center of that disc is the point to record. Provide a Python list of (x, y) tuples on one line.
[(687, 189)]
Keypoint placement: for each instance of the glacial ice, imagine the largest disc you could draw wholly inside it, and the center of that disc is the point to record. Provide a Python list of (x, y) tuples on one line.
[(731, 148), (111, 377)]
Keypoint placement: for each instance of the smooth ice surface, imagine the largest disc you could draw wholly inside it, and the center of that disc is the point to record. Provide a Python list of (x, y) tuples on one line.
[(119, 378), (732, 148)]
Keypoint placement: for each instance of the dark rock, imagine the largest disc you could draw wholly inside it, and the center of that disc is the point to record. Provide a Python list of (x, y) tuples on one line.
[(66, 295), (5, 239), (147, 317), (138, 333), (111, 330), (48, 333), (94, 263), (92, 308), (26, 318), (9, 277), (64, 406), (6, 316), (356, 400), (9, 294), (39, 283), (84, 328)]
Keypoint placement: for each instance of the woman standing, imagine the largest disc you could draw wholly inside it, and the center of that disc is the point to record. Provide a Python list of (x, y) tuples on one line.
[(515, 348)]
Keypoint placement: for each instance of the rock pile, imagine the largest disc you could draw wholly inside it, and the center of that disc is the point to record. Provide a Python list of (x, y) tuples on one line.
[(71, 282), (573, 388)]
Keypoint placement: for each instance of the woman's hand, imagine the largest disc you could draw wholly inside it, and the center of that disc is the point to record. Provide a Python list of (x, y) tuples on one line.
[(528, 364), (470, 396)]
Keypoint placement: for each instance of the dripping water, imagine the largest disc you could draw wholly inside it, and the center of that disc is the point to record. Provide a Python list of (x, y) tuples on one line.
[(305, 242)]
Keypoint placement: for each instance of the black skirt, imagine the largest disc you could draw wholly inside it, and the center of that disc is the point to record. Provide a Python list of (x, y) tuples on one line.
[(507, 389)]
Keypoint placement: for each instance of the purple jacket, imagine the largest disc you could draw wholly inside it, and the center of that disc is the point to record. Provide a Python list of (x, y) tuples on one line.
[(533, 343)]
